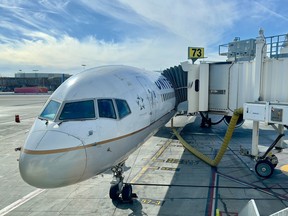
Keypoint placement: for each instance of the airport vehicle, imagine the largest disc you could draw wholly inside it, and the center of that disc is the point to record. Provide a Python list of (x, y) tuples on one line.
[(92, 123)]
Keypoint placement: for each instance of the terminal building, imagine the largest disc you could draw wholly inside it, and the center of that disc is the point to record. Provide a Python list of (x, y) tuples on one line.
[(51, 81)]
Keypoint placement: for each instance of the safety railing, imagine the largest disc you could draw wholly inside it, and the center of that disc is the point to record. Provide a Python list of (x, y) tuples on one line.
[(275, 44)]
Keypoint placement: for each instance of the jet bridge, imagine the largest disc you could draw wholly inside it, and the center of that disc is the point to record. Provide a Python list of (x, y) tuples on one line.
[(253, 72), (254, 76)]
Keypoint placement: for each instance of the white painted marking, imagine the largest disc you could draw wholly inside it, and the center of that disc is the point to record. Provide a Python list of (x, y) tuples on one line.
[(20, 202), (215, 183)]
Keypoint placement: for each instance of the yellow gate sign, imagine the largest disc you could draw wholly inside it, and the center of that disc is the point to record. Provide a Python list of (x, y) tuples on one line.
[(195, 52)]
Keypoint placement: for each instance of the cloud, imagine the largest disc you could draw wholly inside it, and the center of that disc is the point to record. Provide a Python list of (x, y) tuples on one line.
[(269, 8), (44, 44), (190, 20), (69, 53), (62, 35), (114, 9), (49, 54)]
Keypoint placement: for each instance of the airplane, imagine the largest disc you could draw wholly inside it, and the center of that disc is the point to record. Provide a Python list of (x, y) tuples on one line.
[(92, 123)]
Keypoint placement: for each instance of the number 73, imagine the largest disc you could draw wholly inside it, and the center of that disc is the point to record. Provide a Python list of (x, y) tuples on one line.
[(196, 52)]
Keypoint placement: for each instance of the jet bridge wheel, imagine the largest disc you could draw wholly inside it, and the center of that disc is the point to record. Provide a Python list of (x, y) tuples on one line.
[(264, 168)]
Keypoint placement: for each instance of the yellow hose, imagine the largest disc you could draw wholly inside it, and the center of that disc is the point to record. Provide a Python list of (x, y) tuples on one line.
[(224, 146)]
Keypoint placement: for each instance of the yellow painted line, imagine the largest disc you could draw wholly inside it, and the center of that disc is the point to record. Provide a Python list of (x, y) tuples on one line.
[(284, 169), (155, 157)]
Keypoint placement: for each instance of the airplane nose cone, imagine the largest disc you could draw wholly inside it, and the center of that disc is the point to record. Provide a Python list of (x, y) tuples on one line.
[(55, 160)]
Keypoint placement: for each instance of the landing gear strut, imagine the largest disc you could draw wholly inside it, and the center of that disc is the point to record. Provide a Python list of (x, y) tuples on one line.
[(119, 190)]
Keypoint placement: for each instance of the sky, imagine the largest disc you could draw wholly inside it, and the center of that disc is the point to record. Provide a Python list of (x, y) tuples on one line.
[(68, 36)]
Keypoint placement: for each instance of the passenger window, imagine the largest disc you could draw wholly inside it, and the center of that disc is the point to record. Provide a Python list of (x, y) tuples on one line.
[(50, 110), (106, 108), (123, 108), (78, 110)]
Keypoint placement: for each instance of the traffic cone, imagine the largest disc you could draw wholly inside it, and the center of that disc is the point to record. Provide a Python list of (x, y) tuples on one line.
[(17, 119)]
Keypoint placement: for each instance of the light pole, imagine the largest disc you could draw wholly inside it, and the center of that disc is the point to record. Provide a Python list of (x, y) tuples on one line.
[(39, 79), (20, 71)]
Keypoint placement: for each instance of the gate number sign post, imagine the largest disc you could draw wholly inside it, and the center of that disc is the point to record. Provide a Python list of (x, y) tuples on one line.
[(195, 52)]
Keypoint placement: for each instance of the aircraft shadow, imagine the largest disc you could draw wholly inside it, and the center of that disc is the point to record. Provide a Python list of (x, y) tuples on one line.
[(135, 206), (196, 188)]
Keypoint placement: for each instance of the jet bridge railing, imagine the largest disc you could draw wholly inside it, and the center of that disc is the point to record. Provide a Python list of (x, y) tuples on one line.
[(275, 44), (245, 48)]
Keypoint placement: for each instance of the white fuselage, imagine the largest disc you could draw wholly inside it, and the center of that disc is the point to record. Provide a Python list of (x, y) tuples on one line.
[(93, 122)]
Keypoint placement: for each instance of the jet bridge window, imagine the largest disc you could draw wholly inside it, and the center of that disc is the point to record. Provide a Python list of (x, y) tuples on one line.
[(78, 110), (106, 108), (123, 108), (50, 110)]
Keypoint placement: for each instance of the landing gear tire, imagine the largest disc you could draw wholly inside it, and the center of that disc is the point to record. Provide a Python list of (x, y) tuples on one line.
[(127, 192), (114, 192), (264, 168), (118, 187)]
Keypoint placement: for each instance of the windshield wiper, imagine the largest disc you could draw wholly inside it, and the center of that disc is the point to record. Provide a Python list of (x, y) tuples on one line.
[(60, 123), (41, 118)]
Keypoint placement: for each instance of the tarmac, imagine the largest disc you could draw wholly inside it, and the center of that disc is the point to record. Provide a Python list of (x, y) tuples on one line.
[(168, 179)]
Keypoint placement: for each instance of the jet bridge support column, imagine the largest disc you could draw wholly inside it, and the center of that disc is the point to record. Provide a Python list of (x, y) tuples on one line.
[(280, 130), (260, 50), (255, 138)]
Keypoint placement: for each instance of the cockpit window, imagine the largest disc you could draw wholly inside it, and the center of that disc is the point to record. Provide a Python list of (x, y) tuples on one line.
[(50, 110), (78, 110), (106, 108), (123, 108)]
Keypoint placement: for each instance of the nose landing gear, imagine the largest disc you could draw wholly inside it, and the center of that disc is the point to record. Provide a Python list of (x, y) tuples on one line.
[(119, 190)]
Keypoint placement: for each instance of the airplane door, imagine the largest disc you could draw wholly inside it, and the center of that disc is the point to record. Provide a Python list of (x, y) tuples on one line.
[(150, 96)]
